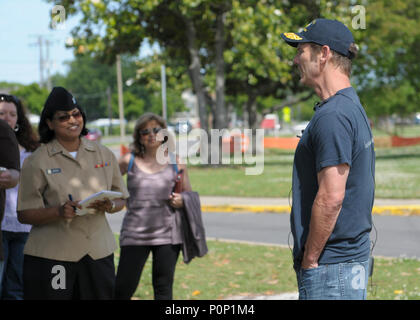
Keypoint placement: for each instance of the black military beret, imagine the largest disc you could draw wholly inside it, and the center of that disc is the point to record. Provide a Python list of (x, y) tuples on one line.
[(59, 99)]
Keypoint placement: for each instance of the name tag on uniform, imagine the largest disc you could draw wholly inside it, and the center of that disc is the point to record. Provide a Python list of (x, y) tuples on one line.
[(53, 171), (101, 165)]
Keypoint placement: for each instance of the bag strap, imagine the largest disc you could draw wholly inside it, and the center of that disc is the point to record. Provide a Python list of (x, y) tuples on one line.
[(130, 164)]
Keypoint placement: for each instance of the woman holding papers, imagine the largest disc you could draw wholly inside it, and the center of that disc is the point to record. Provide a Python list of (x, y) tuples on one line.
[(150, 222), (68, 256)]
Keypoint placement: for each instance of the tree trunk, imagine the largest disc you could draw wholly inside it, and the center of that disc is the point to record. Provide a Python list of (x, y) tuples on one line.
[(251, 108), (194, 72), (220, 114)]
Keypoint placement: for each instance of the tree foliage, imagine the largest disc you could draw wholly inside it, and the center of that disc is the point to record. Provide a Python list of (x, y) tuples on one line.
[(32, 96), (89, 79), (385, 72), (390, 64), (257, 65)]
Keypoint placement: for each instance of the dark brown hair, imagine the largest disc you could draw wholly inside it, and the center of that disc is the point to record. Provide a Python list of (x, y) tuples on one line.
[(25, 135), (136, 146)]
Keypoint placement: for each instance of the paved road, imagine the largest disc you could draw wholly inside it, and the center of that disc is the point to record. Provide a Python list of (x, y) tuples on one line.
[(396, 236)]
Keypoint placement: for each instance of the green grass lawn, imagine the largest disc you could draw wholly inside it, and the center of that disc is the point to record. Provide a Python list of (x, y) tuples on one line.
[(398, 172), (402, 131), (232, 269), (397, 175), (231, 180)]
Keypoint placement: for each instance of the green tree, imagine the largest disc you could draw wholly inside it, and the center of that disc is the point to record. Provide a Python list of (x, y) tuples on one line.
[(259, 63), (109, 28), (385, 72), (32, 96), (193, 33), (149, 76), (89, 79), (182, 28), (389, 76)]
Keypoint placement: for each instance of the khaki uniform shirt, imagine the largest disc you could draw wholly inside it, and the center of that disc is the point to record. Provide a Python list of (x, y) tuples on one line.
[(47, 178)]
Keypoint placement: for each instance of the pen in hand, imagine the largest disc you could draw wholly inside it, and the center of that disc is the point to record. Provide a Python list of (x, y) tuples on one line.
[(71, 199)]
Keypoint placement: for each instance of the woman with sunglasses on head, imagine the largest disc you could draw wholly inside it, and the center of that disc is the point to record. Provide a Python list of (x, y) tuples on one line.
[(68, 256), (15, 234), (149, 224)]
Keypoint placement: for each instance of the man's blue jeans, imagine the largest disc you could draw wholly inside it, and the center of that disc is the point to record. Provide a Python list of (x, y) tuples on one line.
[(341, 281)]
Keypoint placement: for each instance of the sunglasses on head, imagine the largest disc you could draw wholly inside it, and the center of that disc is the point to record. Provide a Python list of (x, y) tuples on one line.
[(9, 98), (146, 132), (66, 117)]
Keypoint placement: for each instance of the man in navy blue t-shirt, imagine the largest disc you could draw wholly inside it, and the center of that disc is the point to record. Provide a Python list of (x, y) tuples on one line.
[(333, 170)]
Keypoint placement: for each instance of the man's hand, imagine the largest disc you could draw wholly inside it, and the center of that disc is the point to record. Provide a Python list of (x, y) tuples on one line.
[(308, 263)]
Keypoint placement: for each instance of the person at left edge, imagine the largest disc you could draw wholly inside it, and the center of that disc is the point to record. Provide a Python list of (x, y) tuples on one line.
[(68, 256), (14, 234), (9, 176)]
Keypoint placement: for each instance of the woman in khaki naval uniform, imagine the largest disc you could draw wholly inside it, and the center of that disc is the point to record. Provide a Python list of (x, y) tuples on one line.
[(68, 256)]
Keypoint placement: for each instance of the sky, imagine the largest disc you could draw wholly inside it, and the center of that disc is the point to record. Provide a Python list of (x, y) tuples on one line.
[(21, 22)]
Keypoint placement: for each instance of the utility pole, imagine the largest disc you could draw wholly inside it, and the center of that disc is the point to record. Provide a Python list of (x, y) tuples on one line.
[(120, 99), (41, 61), (44, 61), (163, 81), (48, 65), (108, 93)]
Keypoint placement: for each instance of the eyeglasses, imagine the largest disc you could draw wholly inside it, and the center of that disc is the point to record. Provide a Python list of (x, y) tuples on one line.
[(66, 117), (146, 132), (9, 98)]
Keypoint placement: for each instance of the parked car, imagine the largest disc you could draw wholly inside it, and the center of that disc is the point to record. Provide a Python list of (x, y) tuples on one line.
[(183, 127), (94, 135)]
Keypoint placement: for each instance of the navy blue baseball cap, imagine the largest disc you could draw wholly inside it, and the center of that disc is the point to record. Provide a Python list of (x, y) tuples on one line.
[(332, 33)]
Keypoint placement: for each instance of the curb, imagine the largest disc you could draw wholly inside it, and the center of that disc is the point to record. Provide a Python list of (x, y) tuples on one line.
[(407, 210)]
